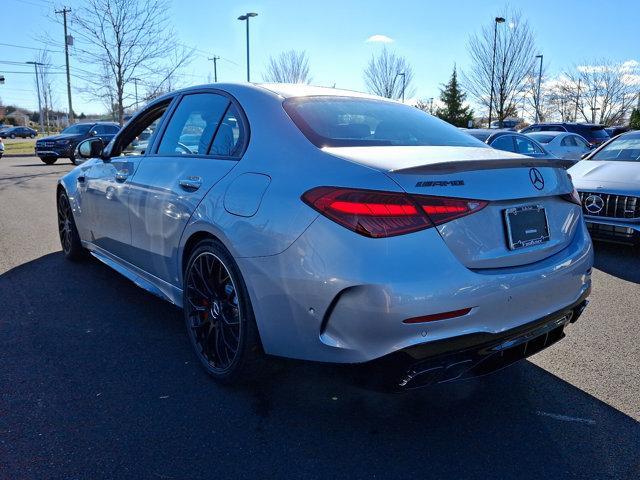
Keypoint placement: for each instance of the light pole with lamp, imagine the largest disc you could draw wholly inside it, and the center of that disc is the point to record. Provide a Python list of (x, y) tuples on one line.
[(246, 18), (493, 63)]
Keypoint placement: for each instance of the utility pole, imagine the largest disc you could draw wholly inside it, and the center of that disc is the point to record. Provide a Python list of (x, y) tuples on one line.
[(538, 91), (403, 83), (215, 59), (575, 115), (431, 105), (493, 63), (68, 40), (135, 83), (35, 66)]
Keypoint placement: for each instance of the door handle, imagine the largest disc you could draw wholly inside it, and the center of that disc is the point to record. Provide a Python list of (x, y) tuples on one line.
[(121, 176), (190, 184)]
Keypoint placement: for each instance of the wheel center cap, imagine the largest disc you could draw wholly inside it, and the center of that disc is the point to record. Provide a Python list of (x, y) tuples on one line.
[(215, 309)]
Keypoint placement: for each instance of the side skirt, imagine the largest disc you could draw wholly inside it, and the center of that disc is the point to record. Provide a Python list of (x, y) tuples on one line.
[(141, 278)]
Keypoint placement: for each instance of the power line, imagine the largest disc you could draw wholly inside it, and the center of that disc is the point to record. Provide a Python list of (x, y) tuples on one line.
[(28, 48)]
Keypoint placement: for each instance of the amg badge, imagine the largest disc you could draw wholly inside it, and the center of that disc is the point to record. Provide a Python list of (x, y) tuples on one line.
[(441, 183)]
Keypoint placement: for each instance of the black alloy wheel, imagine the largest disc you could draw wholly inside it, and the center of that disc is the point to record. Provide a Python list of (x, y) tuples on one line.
[(217, 312), (69, 238)]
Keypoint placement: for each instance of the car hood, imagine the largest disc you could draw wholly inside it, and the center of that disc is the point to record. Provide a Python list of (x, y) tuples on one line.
[(62, 136), (606, 175)]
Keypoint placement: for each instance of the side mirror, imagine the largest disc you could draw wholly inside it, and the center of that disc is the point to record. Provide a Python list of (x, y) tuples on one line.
[(93, 133), (90, 148)]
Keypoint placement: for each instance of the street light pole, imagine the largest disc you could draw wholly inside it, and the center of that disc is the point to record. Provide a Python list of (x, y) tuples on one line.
[(403, 82), (35, 66), (493, 64), (538, 93), (431, 105), (246, 18)]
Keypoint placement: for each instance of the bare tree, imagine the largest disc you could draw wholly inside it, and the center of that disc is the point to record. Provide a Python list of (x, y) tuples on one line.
[(288, 67), (382, 75), (607, 93), (514, 62), (127, 39)]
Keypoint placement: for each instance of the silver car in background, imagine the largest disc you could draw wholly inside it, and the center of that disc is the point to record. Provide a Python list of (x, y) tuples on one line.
[(569, 146), (333, 226), (608, 181)]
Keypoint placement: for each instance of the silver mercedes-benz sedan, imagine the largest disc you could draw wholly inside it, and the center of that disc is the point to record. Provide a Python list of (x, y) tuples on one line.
[(609, 184), (334, 226)]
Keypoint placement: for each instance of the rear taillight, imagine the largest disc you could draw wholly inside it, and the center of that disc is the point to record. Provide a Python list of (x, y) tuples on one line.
[(385, 214)]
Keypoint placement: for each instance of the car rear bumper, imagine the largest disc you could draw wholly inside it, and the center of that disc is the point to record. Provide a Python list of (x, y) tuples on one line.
[(472, 355), (337, 297)]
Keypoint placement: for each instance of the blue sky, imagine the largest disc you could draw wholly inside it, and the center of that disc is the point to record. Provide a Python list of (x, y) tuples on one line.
[(432, 35)]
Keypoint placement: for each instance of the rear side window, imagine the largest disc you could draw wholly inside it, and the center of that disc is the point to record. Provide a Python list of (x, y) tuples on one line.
[(333, 121), (505, 142), (599, 133), (230, 135), (569, 141), (527, 147), (552, 128), (193, 124), (543, 138)]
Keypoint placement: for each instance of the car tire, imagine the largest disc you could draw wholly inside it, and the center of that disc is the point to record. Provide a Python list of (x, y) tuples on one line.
[(13, 135), (218, 314), (69, 237), (73, 160), (32, 136), (49, 160)]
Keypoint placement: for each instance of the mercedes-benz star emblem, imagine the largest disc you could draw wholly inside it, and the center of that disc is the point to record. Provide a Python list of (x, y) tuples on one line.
[(594, 204), (536, 178)]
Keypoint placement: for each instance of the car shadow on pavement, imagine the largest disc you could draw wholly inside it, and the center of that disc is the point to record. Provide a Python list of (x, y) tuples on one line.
[(98, 381), (622, 261)]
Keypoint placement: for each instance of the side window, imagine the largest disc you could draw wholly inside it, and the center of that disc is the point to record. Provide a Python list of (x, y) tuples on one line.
[(230, 136), (581, 142), (505, 142), (100, 129), (193, 124), (569, 141), (112, 129), (137, 136), (527, 147)]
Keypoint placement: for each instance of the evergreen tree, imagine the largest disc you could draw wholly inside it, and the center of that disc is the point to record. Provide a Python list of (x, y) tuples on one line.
[(454, 110), (634, 121)]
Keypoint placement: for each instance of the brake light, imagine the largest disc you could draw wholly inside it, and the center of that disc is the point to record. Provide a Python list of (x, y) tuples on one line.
[(379, 214)]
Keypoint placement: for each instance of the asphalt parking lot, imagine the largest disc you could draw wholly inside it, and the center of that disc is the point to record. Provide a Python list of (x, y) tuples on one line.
[(97, 380)]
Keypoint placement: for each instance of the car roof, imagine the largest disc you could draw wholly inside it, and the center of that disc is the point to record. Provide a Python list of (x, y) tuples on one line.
[(282, 90), (552, 133), (572, 124)]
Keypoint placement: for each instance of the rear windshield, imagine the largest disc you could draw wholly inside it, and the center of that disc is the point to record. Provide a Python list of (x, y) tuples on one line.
[(541, 137), (593, 132), (625, 148), (329, 121)]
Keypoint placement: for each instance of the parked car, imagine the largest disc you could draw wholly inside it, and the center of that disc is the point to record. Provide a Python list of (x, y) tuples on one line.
[(615, 131), (510, 141), (608, 181), (569, 146), (328, 225), (593, 133), (1, 148), (63, 145), (509, 123), (22, 132)]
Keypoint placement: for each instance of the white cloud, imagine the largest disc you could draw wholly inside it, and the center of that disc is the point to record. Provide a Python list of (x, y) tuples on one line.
[(379, 39)]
